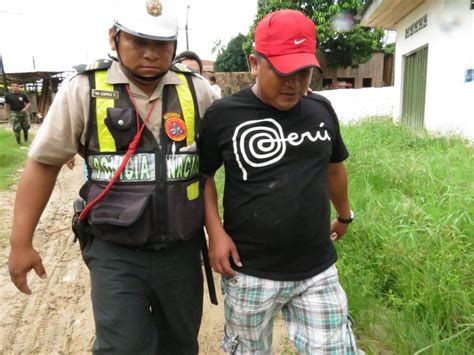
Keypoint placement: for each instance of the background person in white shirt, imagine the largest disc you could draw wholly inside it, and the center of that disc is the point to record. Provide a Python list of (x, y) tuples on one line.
[(215, 88)]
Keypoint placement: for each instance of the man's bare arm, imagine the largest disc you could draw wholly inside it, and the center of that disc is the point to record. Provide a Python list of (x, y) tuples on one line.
[(6, 110), (221, 246), (339, 197), (34, 190), (27, 106)]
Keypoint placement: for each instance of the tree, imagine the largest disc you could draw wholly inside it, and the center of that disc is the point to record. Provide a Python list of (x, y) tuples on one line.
[(217, 47), (339, 35), (233, 57), (389, 48)]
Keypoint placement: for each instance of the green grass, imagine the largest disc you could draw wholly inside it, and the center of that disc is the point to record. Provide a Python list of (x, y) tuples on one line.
[(407, 261), (11, 158)]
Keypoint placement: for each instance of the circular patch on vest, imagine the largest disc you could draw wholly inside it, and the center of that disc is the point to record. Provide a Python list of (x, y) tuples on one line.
[(175, 128)]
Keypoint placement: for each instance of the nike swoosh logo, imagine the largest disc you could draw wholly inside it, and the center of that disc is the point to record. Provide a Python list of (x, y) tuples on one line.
[(300, 41)]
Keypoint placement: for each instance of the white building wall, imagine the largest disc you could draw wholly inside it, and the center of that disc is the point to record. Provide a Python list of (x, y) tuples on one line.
[(352, 105), (449, 106)]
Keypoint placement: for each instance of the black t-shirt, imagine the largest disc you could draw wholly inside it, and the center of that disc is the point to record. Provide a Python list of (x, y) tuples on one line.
[(17, 101), (276, 197)]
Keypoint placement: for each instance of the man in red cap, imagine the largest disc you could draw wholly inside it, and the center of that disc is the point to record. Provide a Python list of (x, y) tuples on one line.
[(283, 155)]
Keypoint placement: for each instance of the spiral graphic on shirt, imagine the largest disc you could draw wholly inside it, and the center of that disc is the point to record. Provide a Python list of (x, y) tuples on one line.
[(261, 143), (258, 143)]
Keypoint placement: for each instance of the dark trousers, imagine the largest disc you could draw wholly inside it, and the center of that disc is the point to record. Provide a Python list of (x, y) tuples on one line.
[(146, 302)]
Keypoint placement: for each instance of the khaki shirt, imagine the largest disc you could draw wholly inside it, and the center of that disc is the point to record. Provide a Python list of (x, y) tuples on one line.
[(65, 124)]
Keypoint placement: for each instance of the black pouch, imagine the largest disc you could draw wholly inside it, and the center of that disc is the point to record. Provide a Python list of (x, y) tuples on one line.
[(121, 123), (124, 216), (80, 228), (82, 233), (186, 209)]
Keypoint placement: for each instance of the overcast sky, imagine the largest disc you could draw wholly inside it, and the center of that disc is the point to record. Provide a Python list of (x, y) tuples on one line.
[(62, 33)]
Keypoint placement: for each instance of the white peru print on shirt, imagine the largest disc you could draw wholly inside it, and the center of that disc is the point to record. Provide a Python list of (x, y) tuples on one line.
[(260, 143)]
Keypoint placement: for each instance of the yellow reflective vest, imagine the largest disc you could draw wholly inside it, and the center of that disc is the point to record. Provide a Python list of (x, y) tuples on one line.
[(157, 198)]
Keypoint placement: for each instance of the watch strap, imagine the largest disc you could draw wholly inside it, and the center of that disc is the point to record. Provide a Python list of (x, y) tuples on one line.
[(345, 220)]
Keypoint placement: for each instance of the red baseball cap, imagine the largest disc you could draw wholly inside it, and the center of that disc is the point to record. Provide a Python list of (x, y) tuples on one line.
[(287, 39)]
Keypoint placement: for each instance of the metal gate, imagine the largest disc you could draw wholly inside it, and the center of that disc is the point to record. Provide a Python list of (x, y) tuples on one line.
[(414, 89)]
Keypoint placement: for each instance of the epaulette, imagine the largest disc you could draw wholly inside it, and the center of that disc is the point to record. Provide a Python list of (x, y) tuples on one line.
[(100, 64), (80, 68), (199, 76), (181, 68)]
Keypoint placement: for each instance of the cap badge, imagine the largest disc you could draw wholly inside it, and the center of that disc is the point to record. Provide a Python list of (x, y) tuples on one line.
[(154, 7)]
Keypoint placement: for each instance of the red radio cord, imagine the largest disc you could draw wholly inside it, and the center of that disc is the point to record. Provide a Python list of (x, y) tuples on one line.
[(132, 147)]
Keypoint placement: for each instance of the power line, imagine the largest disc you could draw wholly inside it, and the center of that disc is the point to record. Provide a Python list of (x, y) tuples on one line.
[(11, 12)]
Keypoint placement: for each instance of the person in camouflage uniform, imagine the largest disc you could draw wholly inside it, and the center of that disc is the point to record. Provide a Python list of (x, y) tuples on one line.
[(16, 110)]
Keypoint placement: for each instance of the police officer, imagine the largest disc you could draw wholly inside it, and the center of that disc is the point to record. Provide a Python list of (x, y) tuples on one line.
[(135, 120)]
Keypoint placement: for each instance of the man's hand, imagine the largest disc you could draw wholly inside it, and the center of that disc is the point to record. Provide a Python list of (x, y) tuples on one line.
[(338, 229), (221, 248), (20, 262)]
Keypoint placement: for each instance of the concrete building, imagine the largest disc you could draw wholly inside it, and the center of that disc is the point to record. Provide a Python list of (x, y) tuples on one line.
[(434, 61), (370, 74)]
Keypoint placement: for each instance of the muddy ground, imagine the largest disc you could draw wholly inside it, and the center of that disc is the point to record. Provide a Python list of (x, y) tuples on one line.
[(57, 317)]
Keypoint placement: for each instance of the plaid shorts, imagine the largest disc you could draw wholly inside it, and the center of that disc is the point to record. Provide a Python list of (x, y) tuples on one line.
[(314, 310)]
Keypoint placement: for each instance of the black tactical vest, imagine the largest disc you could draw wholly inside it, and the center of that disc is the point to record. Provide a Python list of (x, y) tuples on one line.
[(158, 197)]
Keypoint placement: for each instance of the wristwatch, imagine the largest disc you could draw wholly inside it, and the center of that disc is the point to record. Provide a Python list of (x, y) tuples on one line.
[(346, 220)]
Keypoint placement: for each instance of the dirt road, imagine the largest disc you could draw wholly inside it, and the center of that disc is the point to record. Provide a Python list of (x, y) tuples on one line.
[(57, 317)]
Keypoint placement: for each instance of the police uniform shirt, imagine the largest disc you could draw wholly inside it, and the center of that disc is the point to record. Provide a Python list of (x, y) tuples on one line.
[(65, 124)]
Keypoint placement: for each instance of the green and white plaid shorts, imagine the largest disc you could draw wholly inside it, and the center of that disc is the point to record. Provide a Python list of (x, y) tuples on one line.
[(314, 310)]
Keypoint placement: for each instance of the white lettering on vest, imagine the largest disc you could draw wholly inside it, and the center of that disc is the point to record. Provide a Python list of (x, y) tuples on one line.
[(182, 166), (140, 167)]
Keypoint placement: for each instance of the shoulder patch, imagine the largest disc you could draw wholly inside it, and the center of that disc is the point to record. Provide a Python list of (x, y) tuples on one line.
[(100, 64)]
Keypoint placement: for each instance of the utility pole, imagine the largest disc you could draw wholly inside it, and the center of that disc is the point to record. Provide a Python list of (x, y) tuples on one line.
[(2, 69), (4, 78), (186, 28)]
